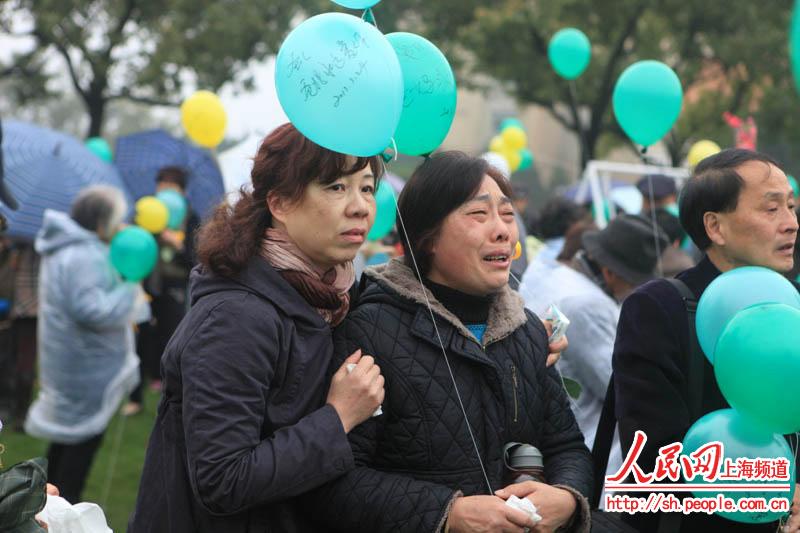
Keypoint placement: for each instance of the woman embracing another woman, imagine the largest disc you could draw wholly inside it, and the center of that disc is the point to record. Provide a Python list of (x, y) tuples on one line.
[(246, 422)]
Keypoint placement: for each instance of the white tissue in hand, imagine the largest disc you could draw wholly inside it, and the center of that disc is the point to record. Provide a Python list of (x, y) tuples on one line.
[(84, 517), (559, 321), (378, 411), (524, 505)]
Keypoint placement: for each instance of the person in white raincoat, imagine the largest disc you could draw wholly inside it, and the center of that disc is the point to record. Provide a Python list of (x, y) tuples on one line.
[(87, 362)]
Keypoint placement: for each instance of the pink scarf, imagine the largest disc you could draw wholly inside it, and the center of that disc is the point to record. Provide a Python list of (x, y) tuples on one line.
[(326, 291)]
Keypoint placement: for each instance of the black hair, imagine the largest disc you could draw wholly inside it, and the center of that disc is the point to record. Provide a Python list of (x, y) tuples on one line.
[(714, 187), (670, 224), (557, 216), (438, 187), (172, 174)]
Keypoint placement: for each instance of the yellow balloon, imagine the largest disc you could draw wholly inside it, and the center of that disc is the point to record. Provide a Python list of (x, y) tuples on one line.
[(700, 150), (497, 144), (517, 251), (151, 214), (514, 159), (514, 138), (204, 118)]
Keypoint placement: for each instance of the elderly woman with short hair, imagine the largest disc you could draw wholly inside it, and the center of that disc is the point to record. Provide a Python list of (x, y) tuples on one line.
[(86, 352)]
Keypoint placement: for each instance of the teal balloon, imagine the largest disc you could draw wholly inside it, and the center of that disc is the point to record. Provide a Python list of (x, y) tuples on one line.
[(356, 4), (606, 210), (757, 363), (673, 209), (378, 259), (385, 213), (527, 159), (100, 148), (794, 44), (794, 185), (740, 438), (134, 253), (569, 52), (733, 291), (429, 99), (647, 101), (176, 205), (339, 82), (509, 122)]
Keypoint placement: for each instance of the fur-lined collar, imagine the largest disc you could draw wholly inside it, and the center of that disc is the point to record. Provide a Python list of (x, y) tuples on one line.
[(506, 314)]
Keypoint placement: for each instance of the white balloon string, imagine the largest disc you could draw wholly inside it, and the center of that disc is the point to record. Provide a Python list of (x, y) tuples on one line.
[(659, 265), (112, 463)]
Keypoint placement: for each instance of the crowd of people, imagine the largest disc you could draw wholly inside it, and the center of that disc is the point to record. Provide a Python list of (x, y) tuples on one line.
[(298, 394)]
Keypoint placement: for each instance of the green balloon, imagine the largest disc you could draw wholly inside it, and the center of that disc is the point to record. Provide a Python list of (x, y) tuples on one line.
[(794, 44), (385, 213), (134, 253), (100, 148), (527, 159), (793, 183), (740, 439), (176, 205), (509, 122), (647, 101), (570, 52), (429, 98), (606, 210), (757, 361)]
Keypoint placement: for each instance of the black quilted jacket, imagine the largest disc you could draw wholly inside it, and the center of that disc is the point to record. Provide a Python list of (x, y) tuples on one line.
[(414, 459)]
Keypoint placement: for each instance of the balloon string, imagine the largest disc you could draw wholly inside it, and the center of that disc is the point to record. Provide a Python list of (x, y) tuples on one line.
[(654, 221), (369, 17), (441, 345), (113, 460)]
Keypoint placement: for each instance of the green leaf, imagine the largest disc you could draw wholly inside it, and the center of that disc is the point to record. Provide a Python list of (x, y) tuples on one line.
[(572, 387)]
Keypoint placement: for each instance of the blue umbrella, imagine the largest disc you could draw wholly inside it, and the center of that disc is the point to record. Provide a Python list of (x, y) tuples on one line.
[(46, 169), (140, 156)]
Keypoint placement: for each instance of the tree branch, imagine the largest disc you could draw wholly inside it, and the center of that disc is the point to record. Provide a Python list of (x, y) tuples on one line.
[(80, 45), (115, 37), (538, 40), (604, 94), (126, 95), (65, 53)]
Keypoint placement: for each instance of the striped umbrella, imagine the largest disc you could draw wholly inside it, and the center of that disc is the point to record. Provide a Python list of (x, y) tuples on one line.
[(46, 169), (140, 156)]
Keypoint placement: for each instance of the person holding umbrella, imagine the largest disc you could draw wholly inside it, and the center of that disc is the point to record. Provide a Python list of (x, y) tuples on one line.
[(167, 287)]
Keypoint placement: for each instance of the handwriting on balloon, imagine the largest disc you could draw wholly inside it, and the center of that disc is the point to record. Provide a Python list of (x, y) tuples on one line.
[(411, 51), (426, 85), (296, 63), (351, 82), (332, 71)]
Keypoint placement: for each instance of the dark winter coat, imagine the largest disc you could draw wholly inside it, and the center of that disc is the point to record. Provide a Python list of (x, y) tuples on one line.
[(650, 367), (416, 457), (242, 426)]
